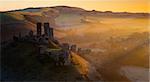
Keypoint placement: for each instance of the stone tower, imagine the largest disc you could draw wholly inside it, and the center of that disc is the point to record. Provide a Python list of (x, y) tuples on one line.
[(73, 48), (39, 29), (48, 30)]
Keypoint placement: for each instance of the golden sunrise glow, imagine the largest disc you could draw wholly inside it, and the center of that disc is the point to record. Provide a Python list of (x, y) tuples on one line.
[(100, 5)]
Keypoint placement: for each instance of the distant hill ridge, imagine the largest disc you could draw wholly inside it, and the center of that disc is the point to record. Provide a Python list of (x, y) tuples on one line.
[(68, 9)]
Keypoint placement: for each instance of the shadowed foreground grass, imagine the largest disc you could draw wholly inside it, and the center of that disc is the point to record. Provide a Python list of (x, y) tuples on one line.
[(21, 63)]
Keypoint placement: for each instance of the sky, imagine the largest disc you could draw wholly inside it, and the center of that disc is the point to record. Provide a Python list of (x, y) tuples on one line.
[(99, 5)]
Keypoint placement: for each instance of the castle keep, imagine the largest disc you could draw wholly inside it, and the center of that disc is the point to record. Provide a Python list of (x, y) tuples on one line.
[(47, 44)]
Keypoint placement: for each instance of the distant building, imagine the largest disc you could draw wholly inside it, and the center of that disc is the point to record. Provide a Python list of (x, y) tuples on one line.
[(79, 51), (84, 51), (48, 31), (39, 29), (65, 46), (73, 48)]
